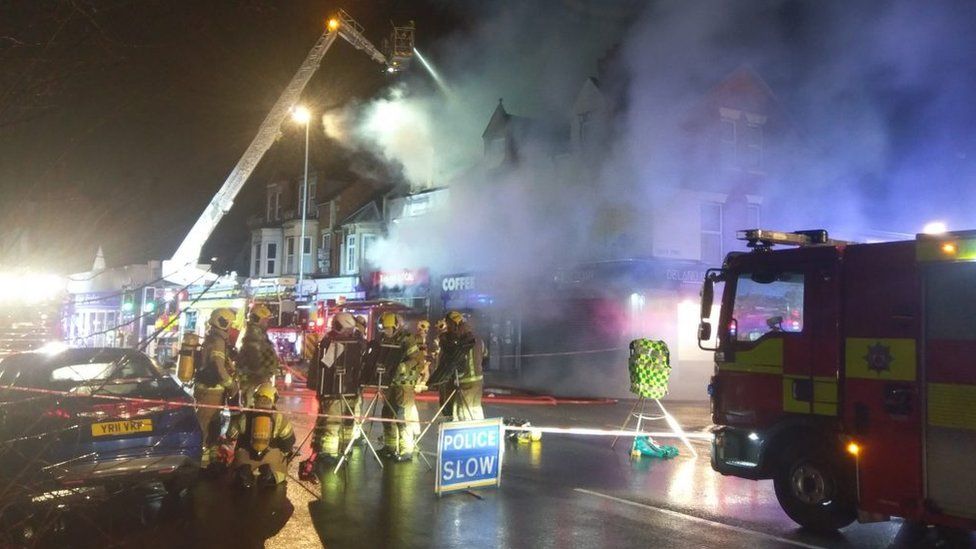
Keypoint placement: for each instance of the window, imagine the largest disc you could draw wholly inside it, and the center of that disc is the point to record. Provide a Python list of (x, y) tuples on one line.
[(271, 256), (750, 151), (256, 258), (274, 203), (727, 143), (307, 254), (313, 184), (289, 255), (752, 216), (325, 253), (368, 241), (351, 254), (711, 233), (950, 297), (767, 303)]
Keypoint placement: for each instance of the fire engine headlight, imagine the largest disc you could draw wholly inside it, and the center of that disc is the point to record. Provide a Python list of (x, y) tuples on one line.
[(853, 448)]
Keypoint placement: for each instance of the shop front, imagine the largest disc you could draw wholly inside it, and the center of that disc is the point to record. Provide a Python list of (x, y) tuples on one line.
[(410, 287), (94, 320), (494, 318)]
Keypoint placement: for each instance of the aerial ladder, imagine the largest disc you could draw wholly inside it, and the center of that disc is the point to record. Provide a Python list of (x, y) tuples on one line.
[(183, 268)]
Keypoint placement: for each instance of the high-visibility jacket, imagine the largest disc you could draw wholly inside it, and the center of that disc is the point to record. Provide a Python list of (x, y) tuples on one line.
[(411, 357), (215, 368), (338, 351), (257, 360), (461, 353)]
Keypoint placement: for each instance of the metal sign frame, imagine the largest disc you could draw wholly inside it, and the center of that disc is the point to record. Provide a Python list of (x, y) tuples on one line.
[(461, 425)]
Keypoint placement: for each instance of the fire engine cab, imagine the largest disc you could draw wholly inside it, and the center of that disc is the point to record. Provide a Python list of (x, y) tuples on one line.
[(846, 373)]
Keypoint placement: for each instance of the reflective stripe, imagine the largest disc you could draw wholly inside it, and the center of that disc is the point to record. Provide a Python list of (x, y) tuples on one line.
[(880, 358), (825, 396), (469, 379), (791, 404), (218, 354), (952, 405), (931, 249), (765, 358)]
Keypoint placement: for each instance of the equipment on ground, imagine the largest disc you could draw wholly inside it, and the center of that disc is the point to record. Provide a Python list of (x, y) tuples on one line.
[(645, 446), (844, 373), (182, 267)]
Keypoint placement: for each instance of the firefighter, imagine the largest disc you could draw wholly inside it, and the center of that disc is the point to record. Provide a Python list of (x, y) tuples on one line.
[(258, 362), (460, 366), (264, 441), (336, 380), (361, 325), (422, 335), (405, 360), (214, 381), (443, 389)]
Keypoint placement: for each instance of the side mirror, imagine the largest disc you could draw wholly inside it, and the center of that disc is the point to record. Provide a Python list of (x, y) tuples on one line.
[(704, 331), (707, 296)]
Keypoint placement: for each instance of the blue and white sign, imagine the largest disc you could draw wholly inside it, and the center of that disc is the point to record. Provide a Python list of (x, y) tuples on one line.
[(469, 454)]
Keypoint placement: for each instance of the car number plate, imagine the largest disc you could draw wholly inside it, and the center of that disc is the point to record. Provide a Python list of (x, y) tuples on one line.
[(115, 428)]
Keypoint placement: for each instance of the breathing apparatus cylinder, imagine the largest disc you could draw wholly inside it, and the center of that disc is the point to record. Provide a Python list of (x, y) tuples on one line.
[(189, 351)]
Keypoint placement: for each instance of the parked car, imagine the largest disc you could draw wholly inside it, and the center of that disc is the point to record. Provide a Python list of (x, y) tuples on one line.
[(66, 434)]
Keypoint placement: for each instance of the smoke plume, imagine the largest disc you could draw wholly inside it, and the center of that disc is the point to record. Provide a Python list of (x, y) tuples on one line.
[(875, 104)]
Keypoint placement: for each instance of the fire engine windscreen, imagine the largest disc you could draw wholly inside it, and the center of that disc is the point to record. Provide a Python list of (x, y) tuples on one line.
[(767, 303)]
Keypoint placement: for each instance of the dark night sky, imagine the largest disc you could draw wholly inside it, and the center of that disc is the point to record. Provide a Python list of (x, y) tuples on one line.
[(120, 118)]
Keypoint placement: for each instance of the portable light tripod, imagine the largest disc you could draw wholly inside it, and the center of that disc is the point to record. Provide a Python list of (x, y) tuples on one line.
[(357, 422), (439, 417)]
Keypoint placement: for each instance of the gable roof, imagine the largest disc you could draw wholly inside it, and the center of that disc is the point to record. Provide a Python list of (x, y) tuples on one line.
[(497, 123), (589, 97), (367, 213), (745, 90)]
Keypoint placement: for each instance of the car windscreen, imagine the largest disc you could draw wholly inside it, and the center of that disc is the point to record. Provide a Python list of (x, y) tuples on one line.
[(123, 375)]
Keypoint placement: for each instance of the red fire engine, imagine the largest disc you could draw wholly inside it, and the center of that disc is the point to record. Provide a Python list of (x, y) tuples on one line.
[(846, 373)]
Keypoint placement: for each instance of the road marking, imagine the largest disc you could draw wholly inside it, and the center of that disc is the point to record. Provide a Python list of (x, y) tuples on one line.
[(699, 520)]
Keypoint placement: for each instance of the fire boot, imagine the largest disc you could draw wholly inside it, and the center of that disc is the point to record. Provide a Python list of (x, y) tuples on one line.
[(516, 435), (244, 477), (644, 446), (266, 477)]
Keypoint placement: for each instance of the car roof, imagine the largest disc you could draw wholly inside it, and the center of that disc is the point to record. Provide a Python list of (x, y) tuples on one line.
[(49, 361)]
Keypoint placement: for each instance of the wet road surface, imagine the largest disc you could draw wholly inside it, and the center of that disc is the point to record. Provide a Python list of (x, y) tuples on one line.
[(563, 491)]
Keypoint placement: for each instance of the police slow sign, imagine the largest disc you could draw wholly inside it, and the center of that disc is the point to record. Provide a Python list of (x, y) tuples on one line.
[(469, 455)]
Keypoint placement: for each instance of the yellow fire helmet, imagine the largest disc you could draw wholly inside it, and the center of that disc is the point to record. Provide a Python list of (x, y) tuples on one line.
[(266, 390), (343, 321), (423, 325), (260, 312), (222, 318), (455, 317), (389, 320)]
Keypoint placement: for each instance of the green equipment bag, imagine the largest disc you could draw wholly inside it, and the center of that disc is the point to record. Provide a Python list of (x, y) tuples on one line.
[(650, 368)]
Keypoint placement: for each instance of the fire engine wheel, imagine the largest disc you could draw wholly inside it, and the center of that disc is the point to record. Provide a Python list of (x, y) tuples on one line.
[(814, 490)]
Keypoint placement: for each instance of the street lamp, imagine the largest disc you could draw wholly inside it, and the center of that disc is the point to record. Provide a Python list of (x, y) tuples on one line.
[(302, 115)]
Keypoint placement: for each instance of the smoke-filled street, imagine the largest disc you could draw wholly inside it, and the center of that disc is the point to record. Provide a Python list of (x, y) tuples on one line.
[(565, 490)]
